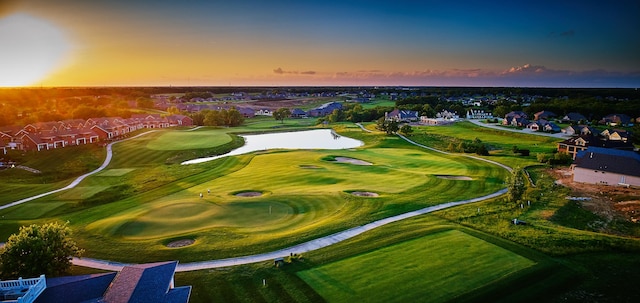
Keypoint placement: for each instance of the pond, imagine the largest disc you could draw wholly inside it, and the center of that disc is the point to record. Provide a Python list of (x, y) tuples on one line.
[(310, 139)]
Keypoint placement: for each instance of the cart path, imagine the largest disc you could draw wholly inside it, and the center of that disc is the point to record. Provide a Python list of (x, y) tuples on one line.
[(306, 246), (77, 181)]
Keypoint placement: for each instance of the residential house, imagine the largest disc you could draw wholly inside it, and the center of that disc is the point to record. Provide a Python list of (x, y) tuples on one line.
[(298, 113), (616, 119), (180, 120), (479, 114), (402, 115), (607, 166), (615, 135), (264, 112), (324, 109), (578, 130), (573, 117), (516, 118), (544, 115), (142, 283), (576, 144), (543, 125)]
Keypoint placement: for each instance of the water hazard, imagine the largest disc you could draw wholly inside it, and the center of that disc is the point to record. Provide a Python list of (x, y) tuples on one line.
[(310, 139)]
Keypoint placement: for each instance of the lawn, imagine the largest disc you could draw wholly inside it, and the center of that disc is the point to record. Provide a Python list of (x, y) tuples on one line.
[(500, 143), (140, 202), (437, 268)]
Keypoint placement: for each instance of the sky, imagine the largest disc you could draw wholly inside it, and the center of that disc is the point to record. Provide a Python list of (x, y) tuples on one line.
[(561, 43)]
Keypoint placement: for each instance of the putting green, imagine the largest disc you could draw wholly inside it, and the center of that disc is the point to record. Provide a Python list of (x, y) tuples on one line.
[(185, 140), (434, 268)]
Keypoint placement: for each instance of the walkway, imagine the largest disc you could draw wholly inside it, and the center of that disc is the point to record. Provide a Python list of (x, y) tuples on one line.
[(307, 246), (77, 181), (522, 131)]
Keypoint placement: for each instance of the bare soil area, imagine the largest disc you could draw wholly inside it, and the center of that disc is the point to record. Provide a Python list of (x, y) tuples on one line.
[(352, 161), (449, 177), (249, 194), (364, 194), (604, 200), (181, 243)]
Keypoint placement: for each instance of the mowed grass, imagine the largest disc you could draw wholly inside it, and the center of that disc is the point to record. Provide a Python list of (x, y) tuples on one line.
[(435, 268), (197, 139), (499, 142)]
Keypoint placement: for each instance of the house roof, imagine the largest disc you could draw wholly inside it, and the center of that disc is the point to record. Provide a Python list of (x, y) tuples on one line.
[(609, 160), (75, 288), (574, 117), (146, 283)]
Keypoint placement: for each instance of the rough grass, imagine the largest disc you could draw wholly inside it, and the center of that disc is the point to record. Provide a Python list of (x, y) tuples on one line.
[(449, 263)]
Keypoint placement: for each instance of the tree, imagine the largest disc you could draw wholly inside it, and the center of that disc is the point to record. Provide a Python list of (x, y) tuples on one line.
[(406, 129), (388, 126), (516, 184), (143, 102), (281, 114), (39, 249)]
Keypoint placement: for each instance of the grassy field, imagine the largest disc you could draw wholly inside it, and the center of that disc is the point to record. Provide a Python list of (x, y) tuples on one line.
[(500, 143), (450, 263), (145, 200)]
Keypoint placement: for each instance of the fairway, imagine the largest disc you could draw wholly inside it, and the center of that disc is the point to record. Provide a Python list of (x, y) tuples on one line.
[(434, 268), (183, 140)]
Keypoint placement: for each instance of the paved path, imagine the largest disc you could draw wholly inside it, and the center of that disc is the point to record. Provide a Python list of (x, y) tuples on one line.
[(77, 181), (523, 131), (307, 246)]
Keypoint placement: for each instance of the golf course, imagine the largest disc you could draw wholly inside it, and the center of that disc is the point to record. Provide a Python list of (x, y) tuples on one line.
[(145, 201)]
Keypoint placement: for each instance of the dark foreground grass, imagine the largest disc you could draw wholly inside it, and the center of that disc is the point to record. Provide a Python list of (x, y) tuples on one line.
[(437, 268)]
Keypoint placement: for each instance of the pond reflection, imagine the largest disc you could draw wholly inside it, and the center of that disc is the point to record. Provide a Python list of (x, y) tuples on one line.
[(310, 139)]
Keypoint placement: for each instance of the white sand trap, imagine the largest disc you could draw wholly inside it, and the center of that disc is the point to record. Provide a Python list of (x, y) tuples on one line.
[(364, 194), (181, 243), (249, 194), (450, 177), (352, 161)]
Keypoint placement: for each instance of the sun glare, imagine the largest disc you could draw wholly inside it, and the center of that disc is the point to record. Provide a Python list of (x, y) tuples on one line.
[(31, 50)]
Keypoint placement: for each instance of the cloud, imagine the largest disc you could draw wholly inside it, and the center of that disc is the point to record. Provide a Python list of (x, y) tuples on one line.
[(280, 71)]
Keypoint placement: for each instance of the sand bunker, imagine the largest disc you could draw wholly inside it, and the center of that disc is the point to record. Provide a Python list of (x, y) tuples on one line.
[(364, 194), (249, 194), (352, 161), (181, 243), (450, 177)]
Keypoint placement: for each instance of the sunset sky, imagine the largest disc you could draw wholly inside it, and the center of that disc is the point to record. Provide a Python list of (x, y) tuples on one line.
[(317, 43)]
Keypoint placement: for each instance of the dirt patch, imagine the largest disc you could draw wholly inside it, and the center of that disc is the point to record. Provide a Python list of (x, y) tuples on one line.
[(352, 161), (450, 177), (249, 194), (607, 201), (364, 194), (181, 243)]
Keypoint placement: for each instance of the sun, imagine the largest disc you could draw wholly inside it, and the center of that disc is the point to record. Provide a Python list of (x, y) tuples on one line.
[(31, 49)]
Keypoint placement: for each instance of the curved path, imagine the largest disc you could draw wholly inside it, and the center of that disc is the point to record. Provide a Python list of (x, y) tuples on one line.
[(77, 181), (522, 131), (306, 246)]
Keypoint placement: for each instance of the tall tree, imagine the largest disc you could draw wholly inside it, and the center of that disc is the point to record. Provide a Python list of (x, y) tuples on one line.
[(38, 249), (516, 185), (281, 114)]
